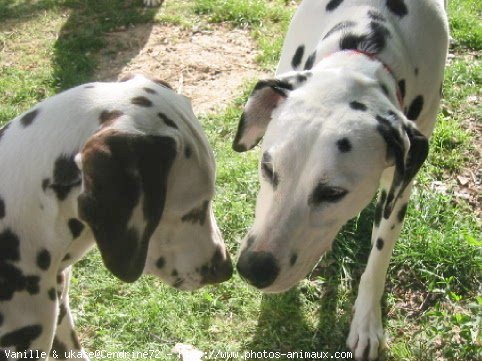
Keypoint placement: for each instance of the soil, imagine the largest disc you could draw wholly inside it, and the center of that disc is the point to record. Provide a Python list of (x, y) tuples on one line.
[(209, 66)]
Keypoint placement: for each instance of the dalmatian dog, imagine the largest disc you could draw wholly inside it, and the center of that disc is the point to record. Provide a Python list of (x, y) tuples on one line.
[(349, 112), (123, 165)]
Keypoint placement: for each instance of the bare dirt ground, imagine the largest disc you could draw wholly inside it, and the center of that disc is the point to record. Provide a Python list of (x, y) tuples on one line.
[(209, 66)]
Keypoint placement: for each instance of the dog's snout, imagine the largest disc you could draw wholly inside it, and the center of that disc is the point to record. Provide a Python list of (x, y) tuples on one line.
[(258, 268), (220, 269)]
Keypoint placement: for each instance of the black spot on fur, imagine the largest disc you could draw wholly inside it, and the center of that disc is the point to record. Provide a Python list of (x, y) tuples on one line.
[(12, 278), (149, 90), (343, 145), (21, 338), (51, 292), (66, 176), (168, 121), (293, 259), (109, 116), (2, 208), (75, 340), (89, 87), (333, 4), (59, 350), (62, 313), (401, 86), (397, 7), (340, 27), (415, 108), (373, 42), (296, 61), (380, 244), (76, 227), (267, 170), (375, 15), (43, 259), (415, 71), (66, 257), (174, 273), (402, 212), (28, 118), (142, 101), (379, 208), (197, 215), (310, 61), (358, 106), (45, 184), (187, 151), (384, 89), (60, 278), (161, 262)]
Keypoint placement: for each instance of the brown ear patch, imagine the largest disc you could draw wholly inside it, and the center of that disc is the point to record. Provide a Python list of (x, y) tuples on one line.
[(120, 171)]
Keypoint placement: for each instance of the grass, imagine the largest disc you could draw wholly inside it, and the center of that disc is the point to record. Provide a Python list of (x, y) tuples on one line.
[(433, 303)]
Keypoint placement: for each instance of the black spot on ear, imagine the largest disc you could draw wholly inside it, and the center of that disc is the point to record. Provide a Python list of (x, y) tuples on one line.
[(293, 259), (402, 212), (65, 177), (197, 215), (109, 116), (339, 27), (142, 101), (380, 244), (187, 151), (76, 227), (75, 340), (375, 15), (296, 61), (415, 108), (43, 259), (379, 208), (168, 121), (401, 86), (29, 117), (358, 106), (333, 4), (149, 90), (62, 313), (52, 294), (21, 338), (161, 262), (2, 208), (343, 145), (397, 7), (310, 61), (58, 350)]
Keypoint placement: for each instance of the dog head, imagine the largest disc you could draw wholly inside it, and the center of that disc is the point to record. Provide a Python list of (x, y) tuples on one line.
[(328, 136), (148, 182)]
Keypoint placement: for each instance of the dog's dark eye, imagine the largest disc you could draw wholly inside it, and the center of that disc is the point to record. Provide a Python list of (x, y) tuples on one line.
[(326, 193), (267, 170)]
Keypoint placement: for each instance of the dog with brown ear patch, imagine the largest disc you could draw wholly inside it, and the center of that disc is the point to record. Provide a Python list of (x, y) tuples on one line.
[(123, 165)]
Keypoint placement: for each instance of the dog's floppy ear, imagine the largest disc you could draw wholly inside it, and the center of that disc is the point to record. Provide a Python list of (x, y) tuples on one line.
[(123, 195), (407, 148), (266, 96)]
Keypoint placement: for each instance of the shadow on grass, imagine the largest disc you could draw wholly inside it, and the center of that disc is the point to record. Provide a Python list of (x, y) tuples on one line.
[(82, 37), (315, 317)]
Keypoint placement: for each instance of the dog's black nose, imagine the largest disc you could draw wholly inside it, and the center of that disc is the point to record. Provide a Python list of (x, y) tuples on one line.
[(220, 269), (258, 268)]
